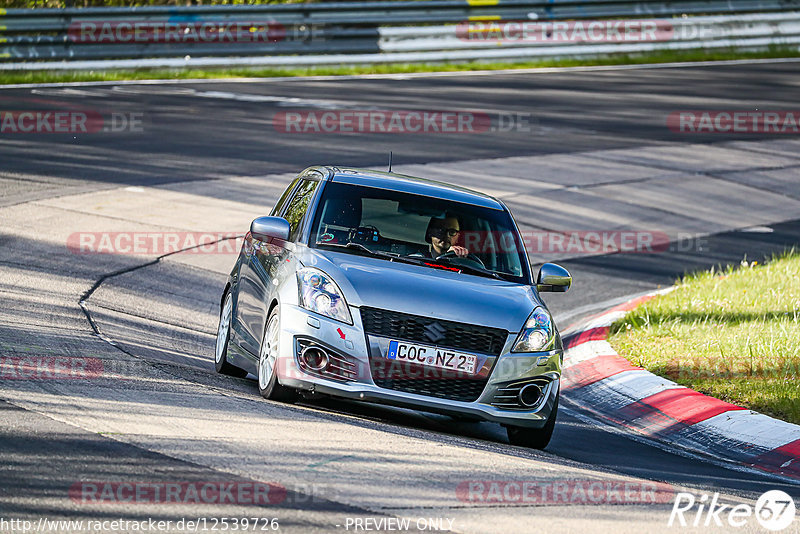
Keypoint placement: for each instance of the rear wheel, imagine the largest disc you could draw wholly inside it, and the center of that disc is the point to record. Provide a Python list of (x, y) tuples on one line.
[(534, 438), (268, 385), (223, 339)]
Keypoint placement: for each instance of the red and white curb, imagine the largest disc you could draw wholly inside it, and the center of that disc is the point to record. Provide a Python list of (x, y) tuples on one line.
[(611, 388)]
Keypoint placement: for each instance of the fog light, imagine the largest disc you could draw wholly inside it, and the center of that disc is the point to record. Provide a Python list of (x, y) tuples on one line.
[(530, 395), (314, 358)]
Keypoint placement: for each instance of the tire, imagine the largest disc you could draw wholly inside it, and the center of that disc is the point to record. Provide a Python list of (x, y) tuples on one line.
[(223, 339), (534, 438), (268, 385)]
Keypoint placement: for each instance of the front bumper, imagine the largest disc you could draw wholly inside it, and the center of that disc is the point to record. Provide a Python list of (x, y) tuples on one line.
[(299, 324)]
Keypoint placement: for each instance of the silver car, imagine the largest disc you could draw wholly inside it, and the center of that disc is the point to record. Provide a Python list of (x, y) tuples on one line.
[(386, 288)]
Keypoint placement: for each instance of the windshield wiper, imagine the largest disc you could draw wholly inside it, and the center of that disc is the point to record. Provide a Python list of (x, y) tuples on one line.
[(480, 272), (374, 253), (473, 270), (357, 246)]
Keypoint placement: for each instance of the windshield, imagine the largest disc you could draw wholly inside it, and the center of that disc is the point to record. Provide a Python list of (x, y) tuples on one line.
[(432, 232)]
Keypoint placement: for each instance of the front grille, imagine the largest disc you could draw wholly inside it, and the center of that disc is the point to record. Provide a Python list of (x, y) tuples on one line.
[(413, 378), (467, 337), (458, 388)]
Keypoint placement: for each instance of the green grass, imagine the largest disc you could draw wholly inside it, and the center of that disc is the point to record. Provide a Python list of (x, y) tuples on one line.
[(17, 77), (734, 335)]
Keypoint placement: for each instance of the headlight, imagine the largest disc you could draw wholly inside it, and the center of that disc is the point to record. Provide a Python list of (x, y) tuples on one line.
[(538, 333), (320, 294)]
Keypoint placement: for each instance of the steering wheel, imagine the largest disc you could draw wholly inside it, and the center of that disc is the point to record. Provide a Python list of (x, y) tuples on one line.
[(365, 234), (470, 258)]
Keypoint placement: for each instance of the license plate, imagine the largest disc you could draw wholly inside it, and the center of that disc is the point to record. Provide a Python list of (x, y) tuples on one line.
[(432, 356)]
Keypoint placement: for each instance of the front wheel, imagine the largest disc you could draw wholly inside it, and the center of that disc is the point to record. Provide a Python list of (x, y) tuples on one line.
[(223, 339), (268, 385), (534, 438)]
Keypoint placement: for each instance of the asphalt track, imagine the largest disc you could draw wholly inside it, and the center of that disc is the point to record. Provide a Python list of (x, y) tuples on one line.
[(199, 132)]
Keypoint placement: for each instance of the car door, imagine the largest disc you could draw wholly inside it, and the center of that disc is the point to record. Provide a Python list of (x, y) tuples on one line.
[(245, 308), (255, 283)]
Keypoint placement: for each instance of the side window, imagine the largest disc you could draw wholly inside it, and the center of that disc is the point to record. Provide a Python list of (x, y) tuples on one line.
[(298, 205), (284, 197)]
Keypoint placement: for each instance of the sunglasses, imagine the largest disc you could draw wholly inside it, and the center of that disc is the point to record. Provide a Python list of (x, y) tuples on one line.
[(452, 232)]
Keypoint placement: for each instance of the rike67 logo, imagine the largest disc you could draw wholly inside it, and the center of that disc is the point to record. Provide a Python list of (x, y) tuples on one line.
[(775, 510)]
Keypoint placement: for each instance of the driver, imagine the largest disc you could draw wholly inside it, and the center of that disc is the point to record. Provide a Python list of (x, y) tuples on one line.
[(441, 233)]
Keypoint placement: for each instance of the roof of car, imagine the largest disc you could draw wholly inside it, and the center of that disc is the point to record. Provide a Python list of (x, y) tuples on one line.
[(412, 184)]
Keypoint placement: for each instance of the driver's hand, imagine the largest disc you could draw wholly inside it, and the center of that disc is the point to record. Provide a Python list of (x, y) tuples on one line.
[(461, 252)]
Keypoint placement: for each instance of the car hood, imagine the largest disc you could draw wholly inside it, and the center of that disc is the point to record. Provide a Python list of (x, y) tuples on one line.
[(426, 291)]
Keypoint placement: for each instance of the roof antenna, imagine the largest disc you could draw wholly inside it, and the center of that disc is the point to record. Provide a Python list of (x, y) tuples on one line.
[(390, 161)]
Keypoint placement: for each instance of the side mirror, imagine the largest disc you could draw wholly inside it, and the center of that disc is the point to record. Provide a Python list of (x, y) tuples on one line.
[(553, 277), (266, 228)]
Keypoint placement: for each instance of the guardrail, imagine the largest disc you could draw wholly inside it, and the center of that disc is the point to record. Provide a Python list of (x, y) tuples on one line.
[(381, 32)]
